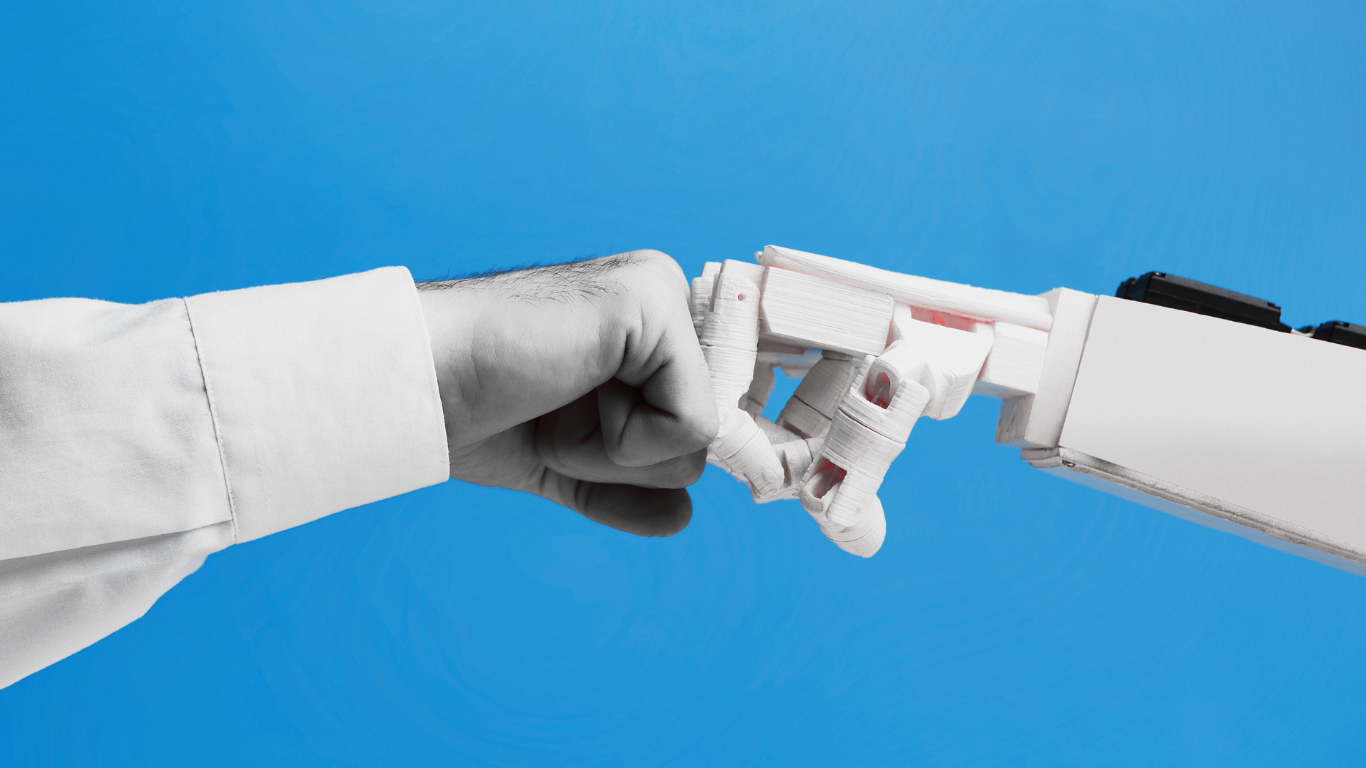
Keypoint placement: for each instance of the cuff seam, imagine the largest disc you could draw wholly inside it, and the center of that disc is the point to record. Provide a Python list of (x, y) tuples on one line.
[(433, 381), (213, 417)]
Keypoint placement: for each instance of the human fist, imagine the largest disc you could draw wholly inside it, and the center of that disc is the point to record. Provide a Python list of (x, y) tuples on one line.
[(582, 383)]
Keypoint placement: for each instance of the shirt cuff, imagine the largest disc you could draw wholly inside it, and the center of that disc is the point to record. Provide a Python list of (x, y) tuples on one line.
[(323, 396)]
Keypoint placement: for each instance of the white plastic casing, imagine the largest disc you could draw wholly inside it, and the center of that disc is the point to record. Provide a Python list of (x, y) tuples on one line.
[(1240, 428)]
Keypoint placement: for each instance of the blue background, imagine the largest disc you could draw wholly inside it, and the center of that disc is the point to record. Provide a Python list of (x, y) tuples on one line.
[(149, 150)]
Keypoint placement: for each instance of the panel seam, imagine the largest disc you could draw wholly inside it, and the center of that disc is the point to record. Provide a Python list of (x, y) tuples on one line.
[(213, 418)]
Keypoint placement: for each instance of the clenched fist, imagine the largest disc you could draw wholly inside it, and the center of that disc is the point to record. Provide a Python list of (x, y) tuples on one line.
[(582, 383)]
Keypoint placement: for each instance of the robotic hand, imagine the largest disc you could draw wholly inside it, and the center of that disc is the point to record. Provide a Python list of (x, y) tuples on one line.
[(1182, 396), (877, 350)]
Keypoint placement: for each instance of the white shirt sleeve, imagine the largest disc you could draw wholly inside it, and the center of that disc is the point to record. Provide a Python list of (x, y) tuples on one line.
[(137, 440)]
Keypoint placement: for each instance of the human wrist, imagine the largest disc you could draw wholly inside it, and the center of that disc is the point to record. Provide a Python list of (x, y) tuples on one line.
[(511, 347), (449, 338)]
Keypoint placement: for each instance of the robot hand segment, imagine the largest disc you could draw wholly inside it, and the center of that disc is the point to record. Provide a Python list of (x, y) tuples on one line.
[(864, 538), (810, 409), (867, 434), (838, 435), (730, 343), (730, 338), (946, 361), (760, 387), (743, 450), (772, 462), (928, 370)]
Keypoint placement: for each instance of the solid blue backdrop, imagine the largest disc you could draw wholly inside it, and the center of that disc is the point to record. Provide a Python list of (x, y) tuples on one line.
[(153, 150)]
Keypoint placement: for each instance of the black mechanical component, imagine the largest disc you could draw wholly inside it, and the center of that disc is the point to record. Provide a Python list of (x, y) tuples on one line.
[(1339, 332), (1175, 292)]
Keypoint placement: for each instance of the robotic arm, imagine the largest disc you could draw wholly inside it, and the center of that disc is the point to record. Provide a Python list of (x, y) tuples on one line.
[(1185, 400)]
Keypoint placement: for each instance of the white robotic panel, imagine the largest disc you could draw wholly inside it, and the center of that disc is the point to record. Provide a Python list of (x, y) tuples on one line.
[(1256, 427)]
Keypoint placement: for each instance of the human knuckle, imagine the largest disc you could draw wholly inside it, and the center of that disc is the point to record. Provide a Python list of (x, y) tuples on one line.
[(616, 453), (649, 255), (661, 265)]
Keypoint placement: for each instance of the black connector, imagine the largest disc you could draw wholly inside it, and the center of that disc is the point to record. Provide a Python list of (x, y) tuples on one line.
[(1338, 332), (1174, 292)]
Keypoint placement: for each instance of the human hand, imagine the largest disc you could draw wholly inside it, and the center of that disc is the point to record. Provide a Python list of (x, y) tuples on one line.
[(582, 383)]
